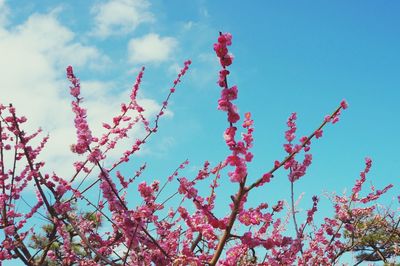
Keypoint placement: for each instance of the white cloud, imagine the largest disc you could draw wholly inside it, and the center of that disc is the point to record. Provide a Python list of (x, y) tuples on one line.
[(188, 25), (30, 65), (151, 48), (33, 57), (203, 73), (120, 16), (204, 12)]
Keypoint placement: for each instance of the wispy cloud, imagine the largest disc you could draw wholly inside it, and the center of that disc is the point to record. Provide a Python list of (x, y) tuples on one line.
[(120, 16), (151, 48)]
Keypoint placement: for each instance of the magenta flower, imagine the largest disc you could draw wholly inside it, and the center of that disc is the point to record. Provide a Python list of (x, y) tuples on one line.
[(84, 135)]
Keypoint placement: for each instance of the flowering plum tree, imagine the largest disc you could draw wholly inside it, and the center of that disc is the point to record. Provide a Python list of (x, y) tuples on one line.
[(80, 231), (376, 238)]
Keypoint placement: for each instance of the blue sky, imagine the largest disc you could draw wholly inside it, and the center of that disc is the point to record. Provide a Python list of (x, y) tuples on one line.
[(302, 57)]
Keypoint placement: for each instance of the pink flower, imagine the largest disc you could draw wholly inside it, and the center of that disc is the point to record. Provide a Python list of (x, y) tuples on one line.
[(230, 94), (226, 60), (318, 133), (233, 117), (344, 104), (278, 207), (9, 230), (225, 38), (220, 49)]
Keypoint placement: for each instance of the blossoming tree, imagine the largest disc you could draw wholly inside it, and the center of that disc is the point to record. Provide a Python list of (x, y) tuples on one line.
[(80, 231)]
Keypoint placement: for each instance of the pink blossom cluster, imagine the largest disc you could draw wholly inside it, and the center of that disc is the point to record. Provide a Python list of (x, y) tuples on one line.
[(83, 132), (297, 169), (221, 49), (227, 94), (334, 118), (240, 149)]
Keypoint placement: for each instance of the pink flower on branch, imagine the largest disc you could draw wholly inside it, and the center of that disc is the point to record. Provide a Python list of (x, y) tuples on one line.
[(84, 135)]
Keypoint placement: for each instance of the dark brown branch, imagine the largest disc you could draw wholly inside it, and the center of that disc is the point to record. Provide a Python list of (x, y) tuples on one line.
[(232, 219)]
